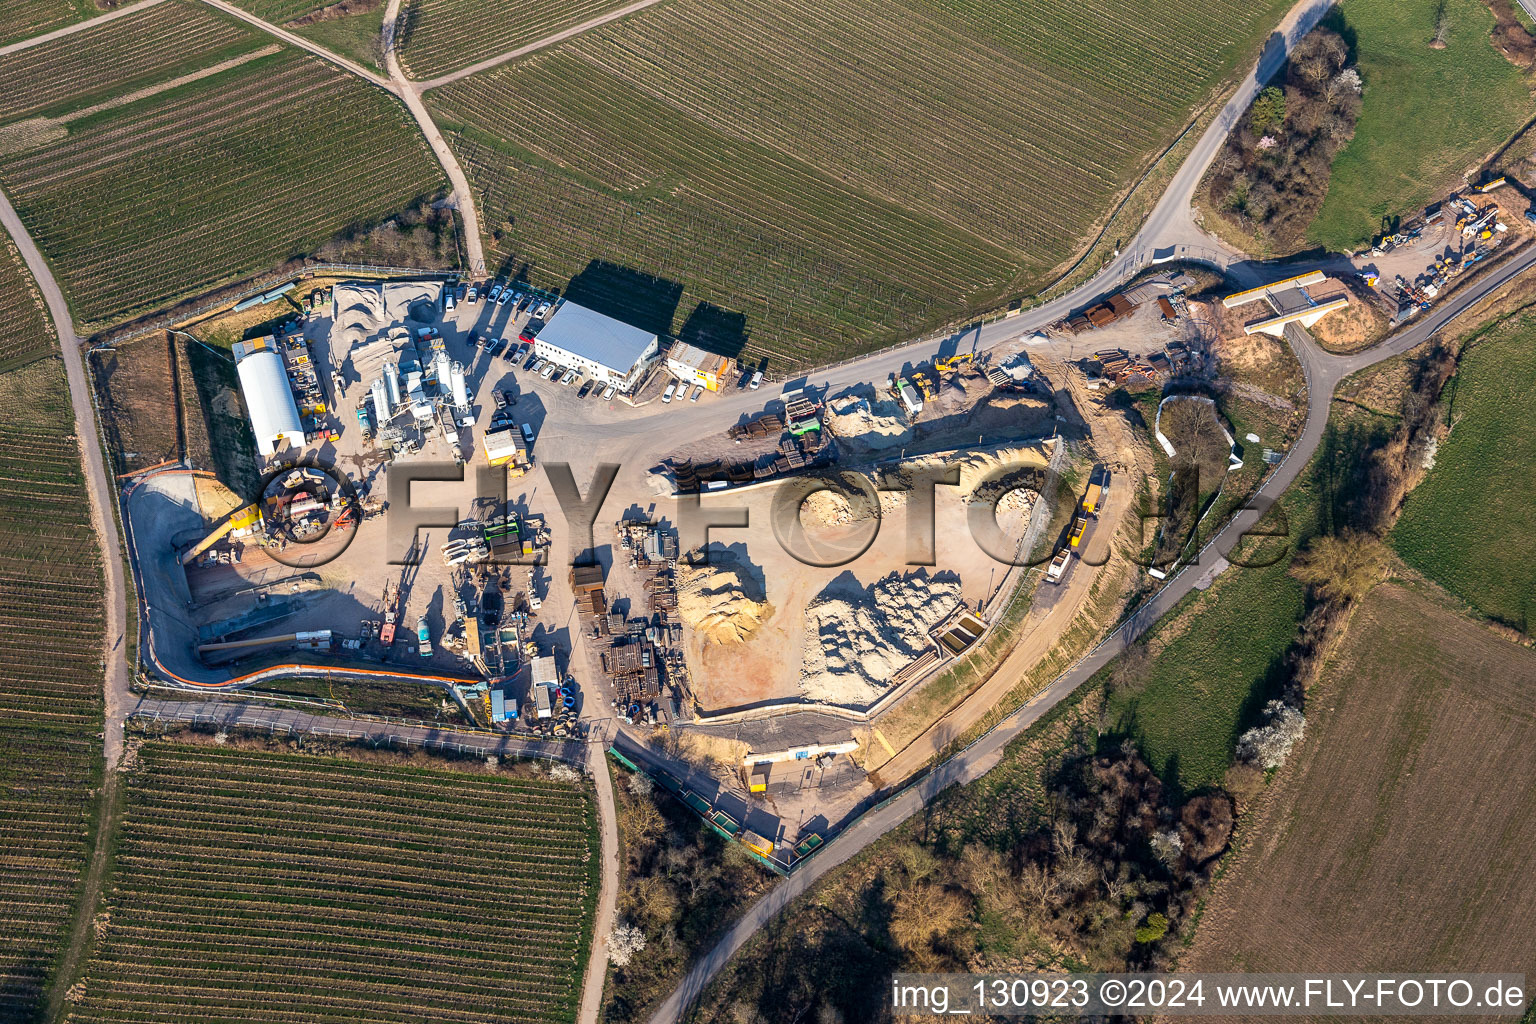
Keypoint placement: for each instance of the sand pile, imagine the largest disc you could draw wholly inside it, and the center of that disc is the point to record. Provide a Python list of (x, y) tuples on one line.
[(1012, 415), (867, 421), (826, 508), (1019, 500), (723, 603), (856, 640), (990, 465)]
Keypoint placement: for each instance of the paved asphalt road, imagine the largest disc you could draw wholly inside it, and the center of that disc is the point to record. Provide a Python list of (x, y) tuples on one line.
[(1169, 231), (1324, 371)]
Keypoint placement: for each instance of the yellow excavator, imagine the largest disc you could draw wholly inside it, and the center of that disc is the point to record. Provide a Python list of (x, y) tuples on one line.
[(952, 364), (923, 384), (239, 519)]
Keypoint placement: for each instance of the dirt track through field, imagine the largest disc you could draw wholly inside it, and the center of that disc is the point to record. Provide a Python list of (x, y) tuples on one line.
[(537, 44)]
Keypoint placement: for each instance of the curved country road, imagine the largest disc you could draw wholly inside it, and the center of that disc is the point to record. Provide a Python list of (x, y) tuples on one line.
[(1324, 371), (98, 485), (1169, 229)]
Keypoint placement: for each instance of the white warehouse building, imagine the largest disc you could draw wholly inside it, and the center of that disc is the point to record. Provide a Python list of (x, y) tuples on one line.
[(607, 350), (268, 398)]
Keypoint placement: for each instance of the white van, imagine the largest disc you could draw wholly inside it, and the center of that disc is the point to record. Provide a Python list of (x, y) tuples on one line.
[(667, 396), (757, 380), (528, 432)]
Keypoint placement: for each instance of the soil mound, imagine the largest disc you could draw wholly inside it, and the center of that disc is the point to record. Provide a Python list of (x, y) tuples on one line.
[(856, 640), (723, 603)]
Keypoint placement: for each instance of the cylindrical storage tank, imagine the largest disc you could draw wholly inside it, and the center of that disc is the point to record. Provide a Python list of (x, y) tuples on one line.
[(460, 388)]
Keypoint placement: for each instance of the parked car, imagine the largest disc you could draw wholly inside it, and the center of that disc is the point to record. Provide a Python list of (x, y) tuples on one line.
[(609, 392), (498, 398), (473, 295), (494, 292), (506, 395), (697, 391), (494, 347), (528, 432), (667, 395), (532, 362), (548, 371), (531, 329), (586, 389), (448, 301), (570, 375), (757, 380), (539, 313), (505, 296), (477, 339)]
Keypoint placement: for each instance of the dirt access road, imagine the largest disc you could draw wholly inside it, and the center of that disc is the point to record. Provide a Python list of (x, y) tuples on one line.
[(1054, 611)]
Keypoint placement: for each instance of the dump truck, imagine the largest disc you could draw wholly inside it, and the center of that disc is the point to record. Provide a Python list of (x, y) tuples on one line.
[(1092, 498), (1058, 566), (1079, 527)]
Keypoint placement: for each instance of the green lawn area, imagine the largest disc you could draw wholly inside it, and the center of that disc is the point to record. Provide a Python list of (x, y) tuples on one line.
[(355, 36), (1429, 114), (1222, 651), (1217, 657), (1471, 525)]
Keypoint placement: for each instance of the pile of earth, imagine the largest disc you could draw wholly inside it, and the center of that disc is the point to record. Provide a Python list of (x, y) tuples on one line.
[(865, 421), (981, 470), (722, 602), (1013, 414), (857, 639), (826, 508)]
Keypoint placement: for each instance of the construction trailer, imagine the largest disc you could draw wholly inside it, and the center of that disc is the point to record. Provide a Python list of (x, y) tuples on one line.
[(546, 683), (693, 365), (503, 705), (585, 578), (507, 447)]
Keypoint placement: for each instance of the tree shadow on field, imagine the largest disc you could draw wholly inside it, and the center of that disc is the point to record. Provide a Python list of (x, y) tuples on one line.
[(633, 296), (715, 330)]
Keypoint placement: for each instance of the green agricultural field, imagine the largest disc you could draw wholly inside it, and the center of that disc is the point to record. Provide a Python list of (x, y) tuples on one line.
[(279, 12), (93, 65), (809, 180), (259, 886), (439, 36), (353, 31), (1429, 115), (50, 665), (24, 327), (359, 36), (233, 173), (1471, 525), (23, 19), (1216, 657), (1211, 662)]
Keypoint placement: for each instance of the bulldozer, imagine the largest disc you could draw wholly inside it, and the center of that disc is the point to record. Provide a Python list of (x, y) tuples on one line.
[(924, 385)]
